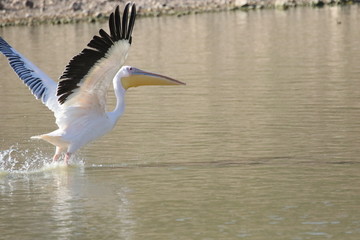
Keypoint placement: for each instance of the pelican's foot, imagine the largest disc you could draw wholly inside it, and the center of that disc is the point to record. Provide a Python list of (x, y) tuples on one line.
[(56, 157), (67, 158)]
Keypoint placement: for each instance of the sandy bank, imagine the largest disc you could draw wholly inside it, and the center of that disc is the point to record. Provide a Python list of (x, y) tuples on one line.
[(31, 12)]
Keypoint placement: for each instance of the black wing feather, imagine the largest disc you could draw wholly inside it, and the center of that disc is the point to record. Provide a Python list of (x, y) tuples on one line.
[(131, 23), (82, 63), (125, 20), (118, 21), (112, 26)]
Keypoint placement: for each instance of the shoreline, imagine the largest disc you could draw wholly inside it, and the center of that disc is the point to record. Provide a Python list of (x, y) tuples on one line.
[(31, 12)]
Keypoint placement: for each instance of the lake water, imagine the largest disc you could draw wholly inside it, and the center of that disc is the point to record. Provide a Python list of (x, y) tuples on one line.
[(262, 143)]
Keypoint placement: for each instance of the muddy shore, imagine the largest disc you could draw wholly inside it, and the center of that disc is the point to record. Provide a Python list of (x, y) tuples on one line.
[(32, 12)]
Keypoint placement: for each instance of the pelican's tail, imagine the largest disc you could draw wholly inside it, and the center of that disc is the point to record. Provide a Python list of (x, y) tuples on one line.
[(53, 139)]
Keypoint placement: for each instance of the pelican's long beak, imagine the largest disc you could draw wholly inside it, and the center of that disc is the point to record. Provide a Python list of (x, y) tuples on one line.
[(138, 77)]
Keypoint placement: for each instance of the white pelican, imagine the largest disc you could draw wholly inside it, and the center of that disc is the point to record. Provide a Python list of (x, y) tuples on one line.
[(78, 100)]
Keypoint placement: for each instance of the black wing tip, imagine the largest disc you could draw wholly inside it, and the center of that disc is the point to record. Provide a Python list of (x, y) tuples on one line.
[(121, 29), (4, 45), (34, 83), (2, 41)]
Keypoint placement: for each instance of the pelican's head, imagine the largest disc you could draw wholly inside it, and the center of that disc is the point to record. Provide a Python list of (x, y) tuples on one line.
[(134, 77)]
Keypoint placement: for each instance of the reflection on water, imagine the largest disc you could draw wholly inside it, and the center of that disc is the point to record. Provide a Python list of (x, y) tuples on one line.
[(263, 141)]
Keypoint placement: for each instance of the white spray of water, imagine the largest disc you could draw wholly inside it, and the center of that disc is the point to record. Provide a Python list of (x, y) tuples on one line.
[(25, 161)]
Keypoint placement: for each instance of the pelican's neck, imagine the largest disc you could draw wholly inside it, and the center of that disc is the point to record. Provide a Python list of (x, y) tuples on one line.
[(120, 99)]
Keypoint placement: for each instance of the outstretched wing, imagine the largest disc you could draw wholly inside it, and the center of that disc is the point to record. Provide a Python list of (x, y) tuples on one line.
[(89, 74), (40, 85)]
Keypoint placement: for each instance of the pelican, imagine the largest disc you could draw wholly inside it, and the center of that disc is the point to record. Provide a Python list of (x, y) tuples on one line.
[(78, 99)]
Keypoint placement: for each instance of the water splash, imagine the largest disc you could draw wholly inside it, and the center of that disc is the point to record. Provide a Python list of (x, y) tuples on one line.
[(18, 160)]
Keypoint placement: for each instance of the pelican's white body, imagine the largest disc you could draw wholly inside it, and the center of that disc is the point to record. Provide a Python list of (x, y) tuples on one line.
[(78, 134), (82, 123)]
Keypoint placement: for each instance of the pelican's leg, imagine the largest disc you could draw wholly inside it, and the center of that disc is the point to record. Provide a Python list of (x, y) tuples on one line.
[(67, 158), (57, 154)]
